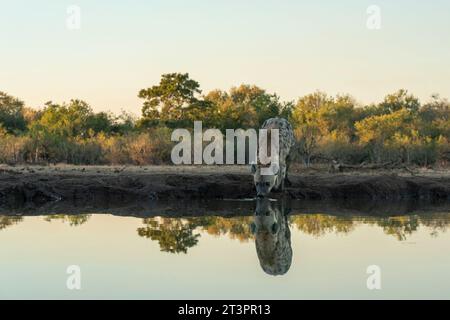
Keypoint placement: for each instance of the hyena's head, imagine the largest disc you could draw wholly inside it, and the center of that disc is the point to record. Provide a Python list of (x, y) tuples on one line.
[(272, 237), (264, 182)]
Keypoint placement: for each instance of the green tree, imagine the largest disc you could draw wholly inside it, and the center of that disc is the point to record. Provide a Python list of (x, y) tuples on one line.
[(124, 123), (47, 145), (269, 106), (340, 116), (11, 116), (173, 102), (310, 123), (99, 122), (60, 132), (435, 118), (381, 131), (399, 100), (66, 120), (246, 106)]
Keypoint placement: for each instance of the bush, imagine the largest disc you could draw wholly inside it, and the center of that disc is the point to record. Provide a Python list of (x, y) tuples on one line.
[(153, 147), (344, 152), (12, 148)]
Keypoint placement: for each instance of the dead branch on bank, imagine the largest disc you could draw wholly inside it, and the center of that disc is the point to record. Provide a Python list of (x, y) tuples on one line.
[(337, 166)]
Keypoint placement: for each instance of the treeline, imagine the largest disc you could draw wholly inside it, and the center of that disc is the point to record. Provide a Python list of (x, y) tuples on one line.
[(398, 129), (177, 235)]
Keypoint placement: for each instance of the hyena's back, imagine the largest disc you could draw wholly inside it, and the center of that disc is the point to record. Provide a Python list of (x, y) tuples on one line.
[(286, 134)]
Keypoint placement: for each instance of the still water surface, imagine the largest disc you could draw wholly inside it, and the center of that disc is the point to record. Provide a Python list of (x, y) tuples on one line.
[(273, 254)]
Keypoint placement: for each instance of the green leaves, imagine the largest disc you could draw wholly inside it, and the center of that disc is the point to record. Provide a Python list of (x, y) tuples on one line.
[(176, 102), (11, 117), (399, 128), (168, 100)]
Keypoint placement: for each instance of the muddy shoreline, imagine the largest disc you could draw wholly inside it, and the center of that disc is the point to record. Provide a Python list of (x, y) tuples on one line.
[(110, 187)]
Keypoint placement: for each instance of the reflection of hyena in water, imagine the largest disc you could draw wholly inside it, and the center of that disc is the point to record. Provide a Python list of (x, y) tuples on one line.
[(272, 237), (266, 183)]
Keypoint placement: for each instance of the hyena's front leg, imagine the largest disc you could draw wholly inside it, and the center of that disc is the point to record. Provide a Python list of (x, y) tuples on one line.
[(288, 164), (282, 177)]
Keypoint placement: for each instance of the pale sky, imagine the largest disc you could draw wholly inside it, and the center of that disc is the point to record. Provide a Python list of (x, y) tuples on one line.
[(285, 46)]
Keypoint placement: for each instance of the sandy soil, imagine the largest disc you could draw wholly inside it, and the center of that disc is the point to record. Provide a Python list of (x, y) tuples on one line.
[(198, 170)]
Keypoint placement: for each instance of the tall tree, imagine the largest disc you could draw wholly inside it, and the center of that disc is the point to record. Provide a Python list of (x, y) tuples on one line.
[(246, 106), (172, 100), (378, 132), (399, 100), (339, 116), (67, 120), (11, 117), (310, 123), (434, 118)]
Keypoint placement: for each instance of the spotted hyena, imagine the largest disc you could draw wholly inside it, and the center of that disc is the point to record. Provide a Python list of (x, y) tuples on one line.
[(266, 183), (272, 236)]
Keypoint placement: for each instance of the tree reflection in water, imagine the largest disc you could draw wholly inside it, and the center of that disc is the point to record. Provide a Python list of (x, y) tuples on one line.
[(7, 221), (173, 235), (177, 235), (72, 220)]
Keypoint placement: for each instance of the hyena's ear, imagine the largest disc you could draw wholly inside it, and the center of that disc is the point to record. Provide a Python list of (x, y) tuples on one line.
[(253, 168)]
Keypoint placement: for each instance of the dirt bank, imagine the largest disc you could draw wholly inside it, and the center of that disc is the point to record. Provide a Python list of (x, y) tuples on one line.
[(110, 186)]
